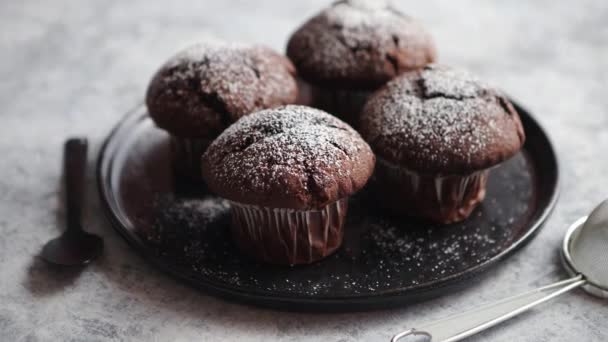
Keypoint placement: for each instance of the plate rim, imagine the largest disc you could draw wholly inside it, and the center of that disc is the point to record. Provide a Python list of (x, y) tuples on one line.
[(357, 302)]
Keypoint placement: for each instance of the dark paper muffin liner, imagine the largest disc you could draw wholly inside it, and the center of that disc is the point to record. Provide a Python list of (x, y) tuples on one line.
[(343, 103), (438, 198), (186, 156), (288, 236)]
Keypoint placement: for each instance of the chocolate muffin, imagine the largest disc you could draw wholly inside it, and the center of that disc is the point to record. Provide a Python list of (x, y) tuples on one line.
[(436, 133), (288, 173), (202, 90), (352, 48)]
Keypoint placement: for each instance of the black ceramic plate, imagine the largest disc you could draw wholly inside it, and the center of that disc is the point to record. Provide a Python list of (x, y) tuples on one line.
[(384, 261)]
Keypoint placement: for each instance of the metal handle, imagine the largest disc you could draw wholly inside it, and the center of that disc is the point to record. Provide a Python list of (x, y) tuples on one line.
[(75, 162), (463, 325)]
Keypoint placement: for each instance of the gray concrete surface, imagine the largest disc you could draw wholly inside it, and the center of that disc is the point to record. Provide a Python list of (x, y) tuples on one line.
[(74, 67)]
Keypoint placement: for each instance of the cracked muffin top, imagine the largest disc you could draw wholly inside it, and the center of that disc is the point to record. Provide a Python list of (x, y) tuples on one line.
[(441, 120), (205, 88), (293, 157), (359, 44)]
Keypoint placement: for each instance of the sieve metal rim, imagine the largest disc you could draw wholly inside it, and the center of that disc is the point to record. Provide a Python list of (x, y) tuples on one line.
[(590, 287)]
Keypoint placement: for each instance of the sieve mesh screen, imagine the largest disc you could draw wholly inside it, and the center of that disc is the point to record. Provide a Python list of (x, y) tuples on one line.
[(589, 249)]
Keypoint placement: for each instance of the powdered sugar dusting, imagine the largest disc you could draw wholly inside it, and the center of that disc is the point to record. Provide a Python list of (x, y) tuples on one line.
[(438, 116), (449, 82), (295, 149), (360, 39), (242, 77), (197, 52), (355, 14), (185, 218), (380, 254)]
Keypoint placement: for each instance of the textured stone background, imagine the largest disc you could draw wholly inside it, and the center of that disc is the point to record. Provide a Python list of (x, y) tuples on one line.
[(74, 67)]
